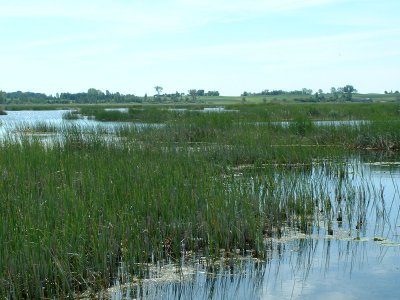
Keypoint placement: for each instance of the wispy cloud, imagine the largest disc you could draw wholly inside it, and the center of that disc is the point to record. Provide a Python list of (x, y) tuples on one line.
[(159, 14)]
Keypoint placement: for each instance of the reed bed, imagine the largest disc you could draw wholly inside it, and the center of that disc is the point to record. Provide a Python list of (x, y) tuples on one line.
[(75, 209), (254, 112), (71, 115), (38, 127)]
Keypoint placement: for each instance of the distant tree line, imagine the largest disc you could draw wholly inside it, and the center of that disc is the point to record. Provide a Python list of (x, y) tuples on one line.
[(304, 91), (91, 96), (306, 95), (339, 94), (191, 96), (97, 96), (391, 92)]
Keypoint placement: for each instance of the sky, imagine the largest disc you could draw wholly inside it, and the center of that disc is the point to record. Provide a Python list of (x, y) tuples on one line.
[(131, 46)]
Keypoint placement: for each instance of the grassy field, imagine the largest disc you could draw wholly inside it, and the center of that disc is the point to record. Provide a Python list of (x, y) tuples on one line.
[(76, 208)]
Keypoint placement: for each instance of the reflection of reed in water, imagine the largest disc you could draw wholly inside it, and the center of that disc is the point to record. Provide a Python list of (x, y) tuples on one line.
[(336, 242)]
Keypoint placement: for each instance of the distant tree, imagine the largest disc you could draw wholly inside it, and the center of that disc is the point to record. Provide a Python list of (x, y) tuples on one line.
[(200, 93), (158, 89), (334, 94), (93, 95), (2, 97), (320, 95), (306, 91), (193, 94), (245, 94), (212, 93), (145, 97), (348, 91)]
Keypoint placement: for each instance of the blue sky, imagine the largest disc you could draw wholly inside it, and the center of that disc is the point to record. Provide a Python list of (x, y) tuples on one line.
[(232, 46)]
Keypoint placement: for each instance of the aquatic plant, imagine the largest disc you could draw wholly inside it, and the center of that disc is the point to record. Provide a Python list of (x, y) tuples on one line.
[(71, 115), (76, 208)]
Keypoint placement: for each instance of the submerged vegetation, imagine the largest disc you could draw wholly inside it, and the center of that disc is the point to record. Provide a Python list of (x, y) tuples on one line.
[(77, 208)]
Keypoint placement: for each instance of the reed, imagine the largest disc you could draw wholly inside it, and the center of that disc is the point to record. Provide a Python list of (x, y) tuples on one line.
[(76, 208), (71, 115)]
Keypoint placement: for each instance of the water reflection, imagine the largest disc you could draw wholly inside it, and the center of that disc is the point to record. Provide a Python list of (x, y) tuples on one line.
[(51, 121), (306, 269), (350, 263)]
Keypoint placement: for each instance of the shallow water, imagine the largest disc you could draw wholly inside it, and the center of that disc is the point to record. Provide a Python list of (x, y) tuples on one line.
[(25, 118), (351, 263), (30, 117), (121, 109)]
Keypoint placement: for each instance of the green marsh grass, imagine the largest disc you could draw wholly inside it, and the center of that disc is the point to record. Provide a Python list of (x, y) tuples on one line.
[(38, 127), (71, 115), (263, 112), (76, 208)]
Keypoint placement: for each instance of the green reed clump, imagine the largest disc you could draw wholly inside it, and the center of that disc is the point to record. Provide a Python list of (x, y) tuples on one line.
[(136, 114), (379, 135), (253, 112), (301, 125), (71, 115), (153, 114), (317, 111), (38, 127)]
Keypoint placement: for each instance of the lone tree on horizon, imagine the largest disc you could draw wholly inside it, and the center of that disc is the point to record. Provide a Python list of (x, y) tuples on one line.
[(158, 89)]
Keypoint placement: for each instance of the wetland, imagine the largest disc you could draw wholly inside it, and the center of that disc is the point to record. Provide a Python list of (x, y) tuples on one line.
[(155, 202)]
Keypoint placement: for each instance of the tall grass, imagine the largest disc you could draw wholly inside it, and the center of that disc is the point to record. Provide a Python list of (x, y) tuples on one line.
[(254, 112), (77, 208), (71, 115)]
